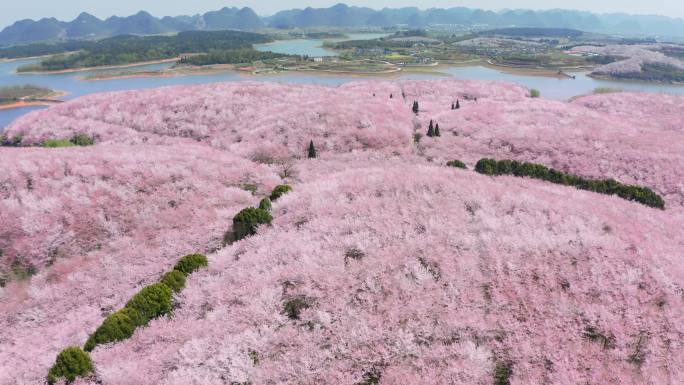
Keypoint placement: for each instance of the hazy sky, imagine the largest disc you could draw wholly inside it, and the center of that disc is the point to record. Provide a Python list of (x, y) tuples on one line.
[(13, 10)]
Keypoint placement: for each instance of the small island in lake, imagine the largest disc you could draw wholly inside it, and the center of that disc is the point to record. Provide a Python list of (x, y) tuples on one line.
[(27, 95)]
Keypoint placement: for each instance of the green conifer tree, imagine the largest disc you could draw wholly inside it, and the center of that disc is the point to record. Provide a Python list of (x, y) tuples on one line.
[(431, 130), (312, 150), (437, 130)]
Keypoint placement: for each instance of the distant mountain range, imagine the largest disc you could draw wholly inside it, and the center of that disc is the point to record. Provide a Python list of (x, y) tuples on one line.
[(344, 16), (340, 15), (87, 26)]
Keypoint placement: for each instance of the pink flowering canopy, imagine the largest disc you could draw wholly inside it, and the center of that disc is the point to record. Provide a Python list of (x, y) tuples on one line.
[(408, 271), (631, 57)]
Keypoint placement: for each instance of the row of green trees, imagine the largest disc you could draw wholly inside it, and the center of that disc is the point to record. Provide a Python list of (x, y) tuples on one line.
[(76, 140), (150, 302), (643, 195), (14, 141), (155, 300)]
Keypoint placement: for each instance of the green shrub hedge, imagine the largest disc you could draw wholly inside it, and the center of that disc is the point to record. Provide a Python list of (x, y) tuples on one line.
[(191, 263), (487, 166), (280, 191), (57, 143), (371, 377), (152, 301), (639, 194), (250, 187), (117, 327), (13, 142), (76, 140), (174, 279), (265, 204), (72, 362), (82, 140), (456, 163), (502, 373), (246, 221)]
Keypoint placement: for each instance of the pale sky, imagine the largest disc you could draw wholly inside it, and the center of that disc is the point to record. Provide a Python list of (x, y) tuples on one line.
[(13, 10)]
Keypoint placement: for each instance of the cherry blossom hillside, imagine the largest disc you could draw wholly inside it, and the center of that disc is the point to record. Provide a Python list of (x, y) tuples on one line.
[(89, 225), (626, 136), (381, 266), (419, 274), (631, 60)]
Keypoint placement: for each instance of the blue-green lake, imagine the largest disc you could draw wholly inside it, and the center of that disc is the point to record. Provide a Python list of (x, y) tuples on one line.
[(312, 47)]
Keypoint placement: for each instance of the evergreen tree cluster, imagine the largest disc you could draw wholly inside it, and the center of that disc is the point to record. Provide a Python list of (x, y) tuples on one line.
[(433, 130), (416, 107), (456, 106), (643, 195), (246, 222)]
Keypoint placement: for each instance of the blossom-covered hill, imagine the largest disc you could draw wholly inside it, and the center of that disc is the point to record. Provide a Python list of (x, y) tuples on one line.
[(625, 136), (632, 58), (432, 277), (412, 272)]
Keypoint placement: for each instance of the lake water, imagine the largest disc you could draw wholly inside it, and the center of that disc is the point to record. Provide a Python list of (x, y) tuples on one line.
[(312, 47), (562, 88), (552, 88)]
